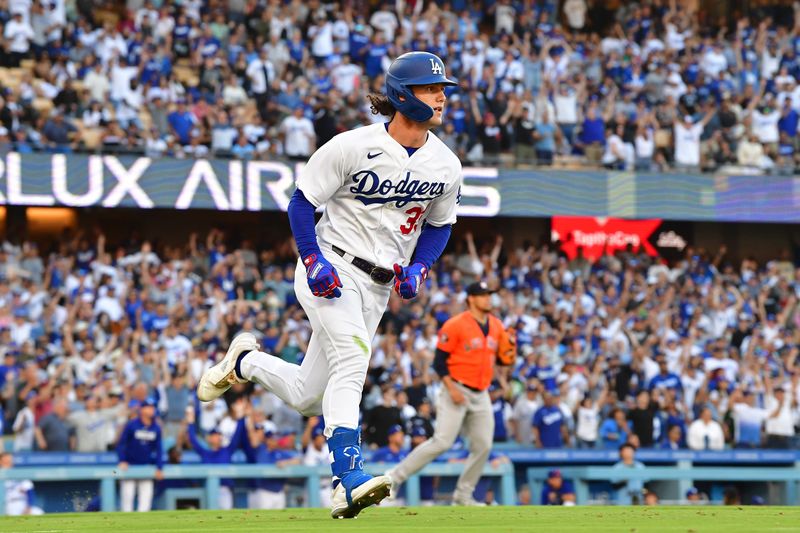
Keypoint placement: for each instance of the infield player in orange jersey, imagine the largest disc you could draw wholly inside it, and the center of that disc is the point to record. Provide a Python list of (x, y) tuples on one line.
[(469, 346)]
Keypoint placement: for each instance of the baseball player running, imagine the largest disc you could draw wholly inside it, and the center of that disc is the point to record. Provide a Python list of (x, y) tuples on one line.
[(469, 344), (390, 193)]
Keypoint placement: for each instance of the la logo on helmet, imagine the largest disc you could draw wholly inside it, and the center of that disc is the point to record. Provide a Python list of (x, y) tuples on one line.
[(436, 68)]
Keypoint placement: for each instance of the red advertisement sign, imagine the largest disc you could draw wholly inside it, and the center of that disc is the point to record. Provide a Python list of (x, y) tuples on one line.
[(596, 234)]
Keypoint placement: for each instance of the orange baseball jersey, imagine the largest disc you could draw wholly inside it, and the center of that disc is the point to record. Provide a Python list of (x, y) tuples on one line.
[(472, 354)]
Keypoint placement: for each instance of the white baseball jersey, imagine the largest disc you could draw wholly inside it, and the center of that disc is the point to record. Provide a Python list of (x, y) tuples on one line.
[(17, 496), (377, 196)]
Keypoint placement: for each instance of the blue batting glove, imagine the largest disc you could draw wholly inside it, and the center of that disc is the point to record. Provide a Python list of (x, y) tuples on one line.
[(408, 280), (323, 280)]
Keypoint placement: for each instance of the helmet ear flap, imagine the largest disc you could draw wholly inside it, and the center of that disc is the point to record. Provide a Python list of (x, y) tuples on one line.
[(409, 105)]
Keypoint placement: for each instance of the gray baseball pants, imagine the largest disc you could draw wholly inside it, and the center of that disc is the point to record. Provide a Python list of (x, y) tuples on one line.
[(476, 418)]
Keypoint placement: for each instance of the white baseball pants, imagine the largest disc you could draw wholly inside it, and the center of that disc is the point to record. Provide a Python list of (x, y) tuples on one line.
[(331, 378), (225, 498), (128, 488), (266, 499)]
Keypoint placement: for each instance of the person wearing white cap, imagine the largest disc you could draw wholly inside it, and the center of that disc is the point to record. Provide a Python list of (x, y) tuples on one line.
[(687, 140)]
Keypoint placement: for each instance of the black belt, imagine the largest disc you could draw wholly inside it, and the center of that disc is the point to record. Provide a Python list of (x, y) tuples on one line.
[(473, 389), (377, 274)]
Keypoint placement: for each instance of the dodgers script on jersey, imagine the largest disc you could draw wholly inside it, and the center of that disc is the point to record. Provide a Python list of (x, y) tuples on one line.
[(376, 196)]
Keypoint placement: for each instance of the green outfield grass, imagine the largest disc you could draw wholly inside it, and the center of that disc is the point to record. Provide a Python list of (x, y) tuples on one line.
[(434, 519)]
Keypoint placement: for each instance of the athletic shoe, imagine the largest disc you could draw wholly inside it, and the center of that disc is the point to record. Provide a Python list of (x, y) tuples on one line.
[(220, 377), (467, 502), (370, 492)]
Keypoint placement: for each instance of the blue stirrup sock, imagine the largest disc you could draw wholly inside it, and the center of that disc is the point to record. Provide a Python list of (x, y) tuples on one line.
[(347, 464)]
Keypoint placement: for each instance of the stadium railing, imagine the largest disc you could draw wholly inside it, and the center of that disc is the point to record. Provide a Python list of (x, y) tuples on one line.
[(682, 476), (108, 476), (673, 470)]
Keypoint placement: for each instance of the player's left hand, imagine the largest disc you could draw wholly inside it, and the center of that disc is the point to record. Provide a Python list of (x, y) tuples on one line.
[(408, 280)]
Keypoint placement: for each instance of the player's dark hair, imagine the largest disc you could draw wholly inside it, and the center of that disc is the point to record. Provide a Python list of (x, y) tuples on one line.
[(380, 105)]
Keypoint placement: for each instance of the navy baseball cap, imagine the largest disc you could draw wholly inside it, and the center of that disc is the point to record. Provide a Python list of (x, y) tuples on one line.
[(149, 402), (418, 431), (479, 288), (554, 473), (317, 431), (692, 492), (215, 431), (397, 428)]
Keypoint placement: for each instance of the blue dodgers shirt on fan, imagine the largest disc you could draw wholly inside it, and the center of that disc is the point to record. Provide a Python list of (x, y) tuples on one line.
[(548, 421), (140, 444), (381, 194)]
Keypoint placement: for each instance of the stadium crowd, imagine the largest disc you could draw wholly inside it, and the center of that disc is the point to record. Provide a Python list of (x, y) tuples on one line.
[(651, 85), (699, 354)]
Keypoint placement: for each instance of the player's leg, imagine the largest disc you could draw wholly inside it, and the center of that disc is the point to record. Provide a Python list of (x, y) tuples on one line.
[(225, 498), (345, 327), (449, 418), (325, 497), (257, 499), (479, 430), (145, 493), (300, 386), (127, 492), (277, 500)]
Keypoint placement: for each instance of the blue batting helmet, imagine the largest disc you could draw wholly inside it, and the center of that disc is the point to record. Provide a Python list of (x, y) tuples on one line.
[(408, 70)]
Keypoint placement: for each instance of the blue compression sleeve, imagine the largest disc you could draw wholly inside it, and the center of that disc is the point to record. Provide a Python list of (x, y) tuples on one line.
[(301, 219), (431, 244)]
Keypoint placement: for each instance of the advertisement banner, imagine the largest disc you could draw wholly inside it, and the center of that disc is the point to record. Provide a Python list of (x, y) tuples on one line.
[(598, 236), (232, 185)]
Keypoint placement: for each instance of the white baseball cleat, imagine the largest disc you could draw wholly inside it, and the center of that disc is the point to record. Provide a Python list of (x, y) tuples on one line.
[(369, 493), (220, 377)]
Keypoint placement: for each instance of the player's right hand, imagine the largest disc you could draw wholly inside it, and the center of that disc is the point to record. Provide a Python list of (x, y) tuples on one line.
[(323, 280), (456, 395)]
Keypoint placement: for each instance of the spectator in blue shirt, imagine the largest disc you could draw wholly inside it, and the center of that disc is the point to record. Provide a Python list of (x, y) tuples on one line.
[(427, 487), (614, 429), (499, 406), (215, 453), (544, 372), (549, 424), (262, 448), (359, 44), (557, 490), (393, 452), (593, 134), (140, 444), (181, 122), (375, 54), (665, 380)]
